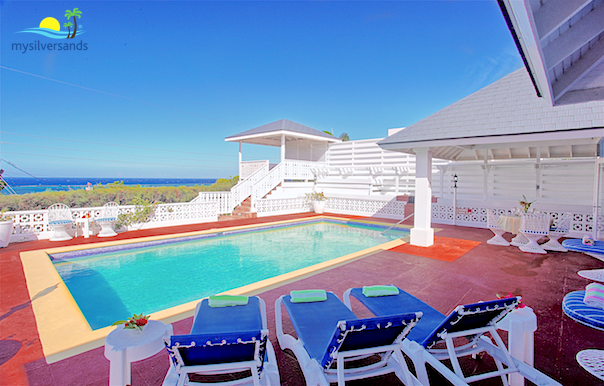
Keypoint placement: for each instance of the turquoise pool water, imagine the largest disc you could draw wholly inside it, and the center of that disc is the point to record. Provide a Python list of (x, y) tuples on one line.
[(110, 284)]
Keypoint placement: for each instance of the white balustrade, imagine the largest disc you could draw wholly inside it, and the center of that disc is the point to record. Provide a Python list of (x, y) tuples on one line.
[(300, 170), (362, 206), (267, 183), (245, 188), (33, 224), (223, 199)]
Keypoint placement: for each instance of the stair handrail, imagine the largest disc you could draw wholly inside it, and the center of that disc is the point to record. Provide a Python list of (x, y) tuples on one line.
[(244, 188), (267, 183)]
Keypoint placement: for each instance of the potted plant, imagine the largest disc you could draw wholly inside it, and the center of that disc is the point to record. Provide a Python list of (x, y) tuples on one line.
[(6, 229), (318, 201)]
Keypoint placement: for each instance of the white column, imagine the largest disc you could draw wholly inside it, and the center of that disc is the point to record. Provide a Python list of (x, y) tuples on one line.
[(240, 159), (282, 147), (422, 234)]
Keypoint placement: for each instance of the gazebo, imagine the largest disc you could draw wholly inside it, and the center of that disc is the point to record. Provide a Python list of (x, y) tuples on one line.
[(504, 121), (297, 142)]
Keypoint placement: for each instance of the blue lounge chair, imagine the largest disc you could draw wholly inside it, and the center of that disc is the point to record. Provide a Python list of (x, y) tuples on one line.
[(576, 245), (329, 333), (224, 340), (471, 321), (574, 307)]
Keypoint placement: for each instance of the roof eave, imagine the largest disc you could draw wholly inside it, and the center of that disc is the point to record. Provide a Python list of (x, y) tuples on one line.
[(498, 140), (522, 27), (243, 138)]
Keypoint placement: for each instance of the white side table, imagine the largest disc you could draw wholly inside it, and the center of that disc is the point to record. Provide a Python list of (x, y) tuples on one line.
[(521, 325), (86, 223), (122, 347)]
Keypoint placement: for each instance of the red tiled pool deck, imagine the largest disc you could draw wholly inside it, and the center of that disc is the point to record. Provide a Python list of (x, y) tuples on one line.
[(480, 272)]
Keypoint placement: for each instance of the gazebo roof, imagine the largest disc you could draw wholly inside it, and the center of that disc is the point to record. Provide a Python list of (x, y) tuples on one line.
[(505, 120), (270, 134)]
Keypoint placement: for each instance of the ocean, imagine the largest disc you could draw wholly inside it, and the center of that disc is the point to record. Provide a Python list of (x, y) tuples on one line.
[(35, 185)]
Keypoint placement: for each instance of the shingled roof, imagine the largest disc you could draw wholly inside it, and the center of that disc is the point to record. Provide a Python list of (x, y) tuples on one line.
[(505, 120), (270, 133)]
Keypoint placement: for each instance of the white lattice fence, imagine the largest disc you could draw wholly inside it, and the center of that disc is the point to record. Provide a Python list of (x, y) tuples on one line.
[(476, 216), (32, 225), (355, 206)]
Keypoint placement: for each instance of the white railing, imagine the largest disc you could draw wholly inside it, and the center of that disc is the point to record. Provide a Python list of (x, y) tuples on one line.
[(361, 206), (249, 167), (222, 199), (33, 224), (244, 188), (300, 170), (267, 183)]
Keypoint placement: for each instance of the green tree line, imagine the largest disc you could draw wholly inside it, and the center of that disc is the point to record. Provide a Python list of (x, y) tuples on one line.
[(116, 192)]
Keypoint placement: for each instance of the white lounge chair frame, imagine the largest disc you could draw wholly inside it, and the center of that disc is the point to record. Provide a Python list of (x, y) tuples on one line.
[(477, 342), (559, 228), (107, 219), (534, 227), (269, 376), (314, 374), (592, 361), (59, 219), (592, 274), (492, 217)]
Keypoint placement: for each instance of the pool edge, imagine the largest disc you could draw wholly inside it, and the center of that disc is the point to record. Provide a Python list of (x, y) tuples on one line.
[(63, 330)]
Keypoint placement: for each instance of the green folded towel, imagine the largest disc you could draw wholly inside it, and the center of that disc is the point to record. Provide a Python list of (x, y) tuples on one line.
[(227, 300), (307, 296), (380, 290)]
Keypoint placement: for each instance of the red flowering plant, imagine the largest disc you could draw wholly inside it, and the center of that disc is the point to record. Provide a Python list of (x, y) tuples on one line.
[(135, 322), (511, 295)]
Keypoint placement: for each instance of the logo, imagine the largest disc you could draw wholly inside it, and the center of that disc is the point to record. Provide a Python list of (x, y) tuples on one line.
[(51, 27)]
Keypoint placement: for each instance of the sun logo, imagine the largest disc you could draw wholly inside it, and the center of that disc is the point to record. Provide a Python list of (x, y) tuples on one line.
[(51, 27)]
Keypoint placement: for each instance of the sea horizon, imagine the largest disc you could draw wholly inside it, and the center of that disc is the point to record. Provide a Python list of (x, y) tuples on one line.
[(24, 185)]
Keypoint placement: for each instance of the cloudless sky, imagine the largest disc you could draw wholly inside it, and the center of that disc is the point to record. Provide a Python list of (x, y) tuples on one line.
[(161, 84)]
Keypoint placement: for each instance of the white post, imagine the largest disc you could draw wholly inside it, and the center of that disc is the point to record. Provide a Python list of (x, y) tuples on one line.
[(422, 234), (240, 159), (596, 198), (282, 148), (455, 200)]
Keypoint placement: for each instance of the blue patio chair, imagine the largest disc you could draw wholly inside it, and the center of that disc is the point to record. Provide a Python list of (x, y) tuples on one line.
[(329, 333), (574, 307), (424, 343), (59, 219), (226, 345)]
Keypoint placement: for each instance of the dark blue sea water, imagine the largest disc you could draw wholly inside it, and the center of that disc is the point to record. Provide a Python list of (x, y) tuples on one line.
[(33, 185)]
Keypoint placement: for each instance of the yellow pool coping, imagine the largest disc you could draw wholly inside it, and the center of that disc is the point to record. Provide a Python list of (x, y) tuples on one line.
[(63, 329)]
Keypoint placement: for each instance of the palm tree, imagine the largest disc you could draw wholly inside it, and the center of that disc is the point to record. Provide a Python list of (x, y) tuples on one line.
[(327, 132), (344, 137), (73, 14), (68, 26)]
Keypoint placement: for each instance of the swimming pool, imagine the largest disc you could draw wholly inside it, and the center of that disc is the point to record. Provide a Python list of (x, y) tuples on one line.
[(112, 283)]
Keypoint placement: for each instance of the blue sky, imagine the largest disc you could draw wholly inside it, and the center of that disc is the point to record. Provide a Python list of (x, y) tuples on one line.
[(161, 84)]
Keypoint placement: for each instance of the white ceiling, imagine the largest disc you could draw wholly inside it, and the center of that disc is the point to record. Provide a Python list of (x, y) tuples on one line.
[(562, 44)]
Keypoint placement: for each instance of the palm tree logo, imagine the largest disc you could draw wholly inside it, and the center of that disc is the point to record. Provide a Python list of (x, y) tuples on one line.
[(73, 14), (68, 26)]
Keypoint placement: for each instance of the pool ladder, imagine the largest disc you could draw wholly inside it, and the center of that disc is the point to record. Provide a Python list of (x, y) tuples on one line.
[(384, 232)]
